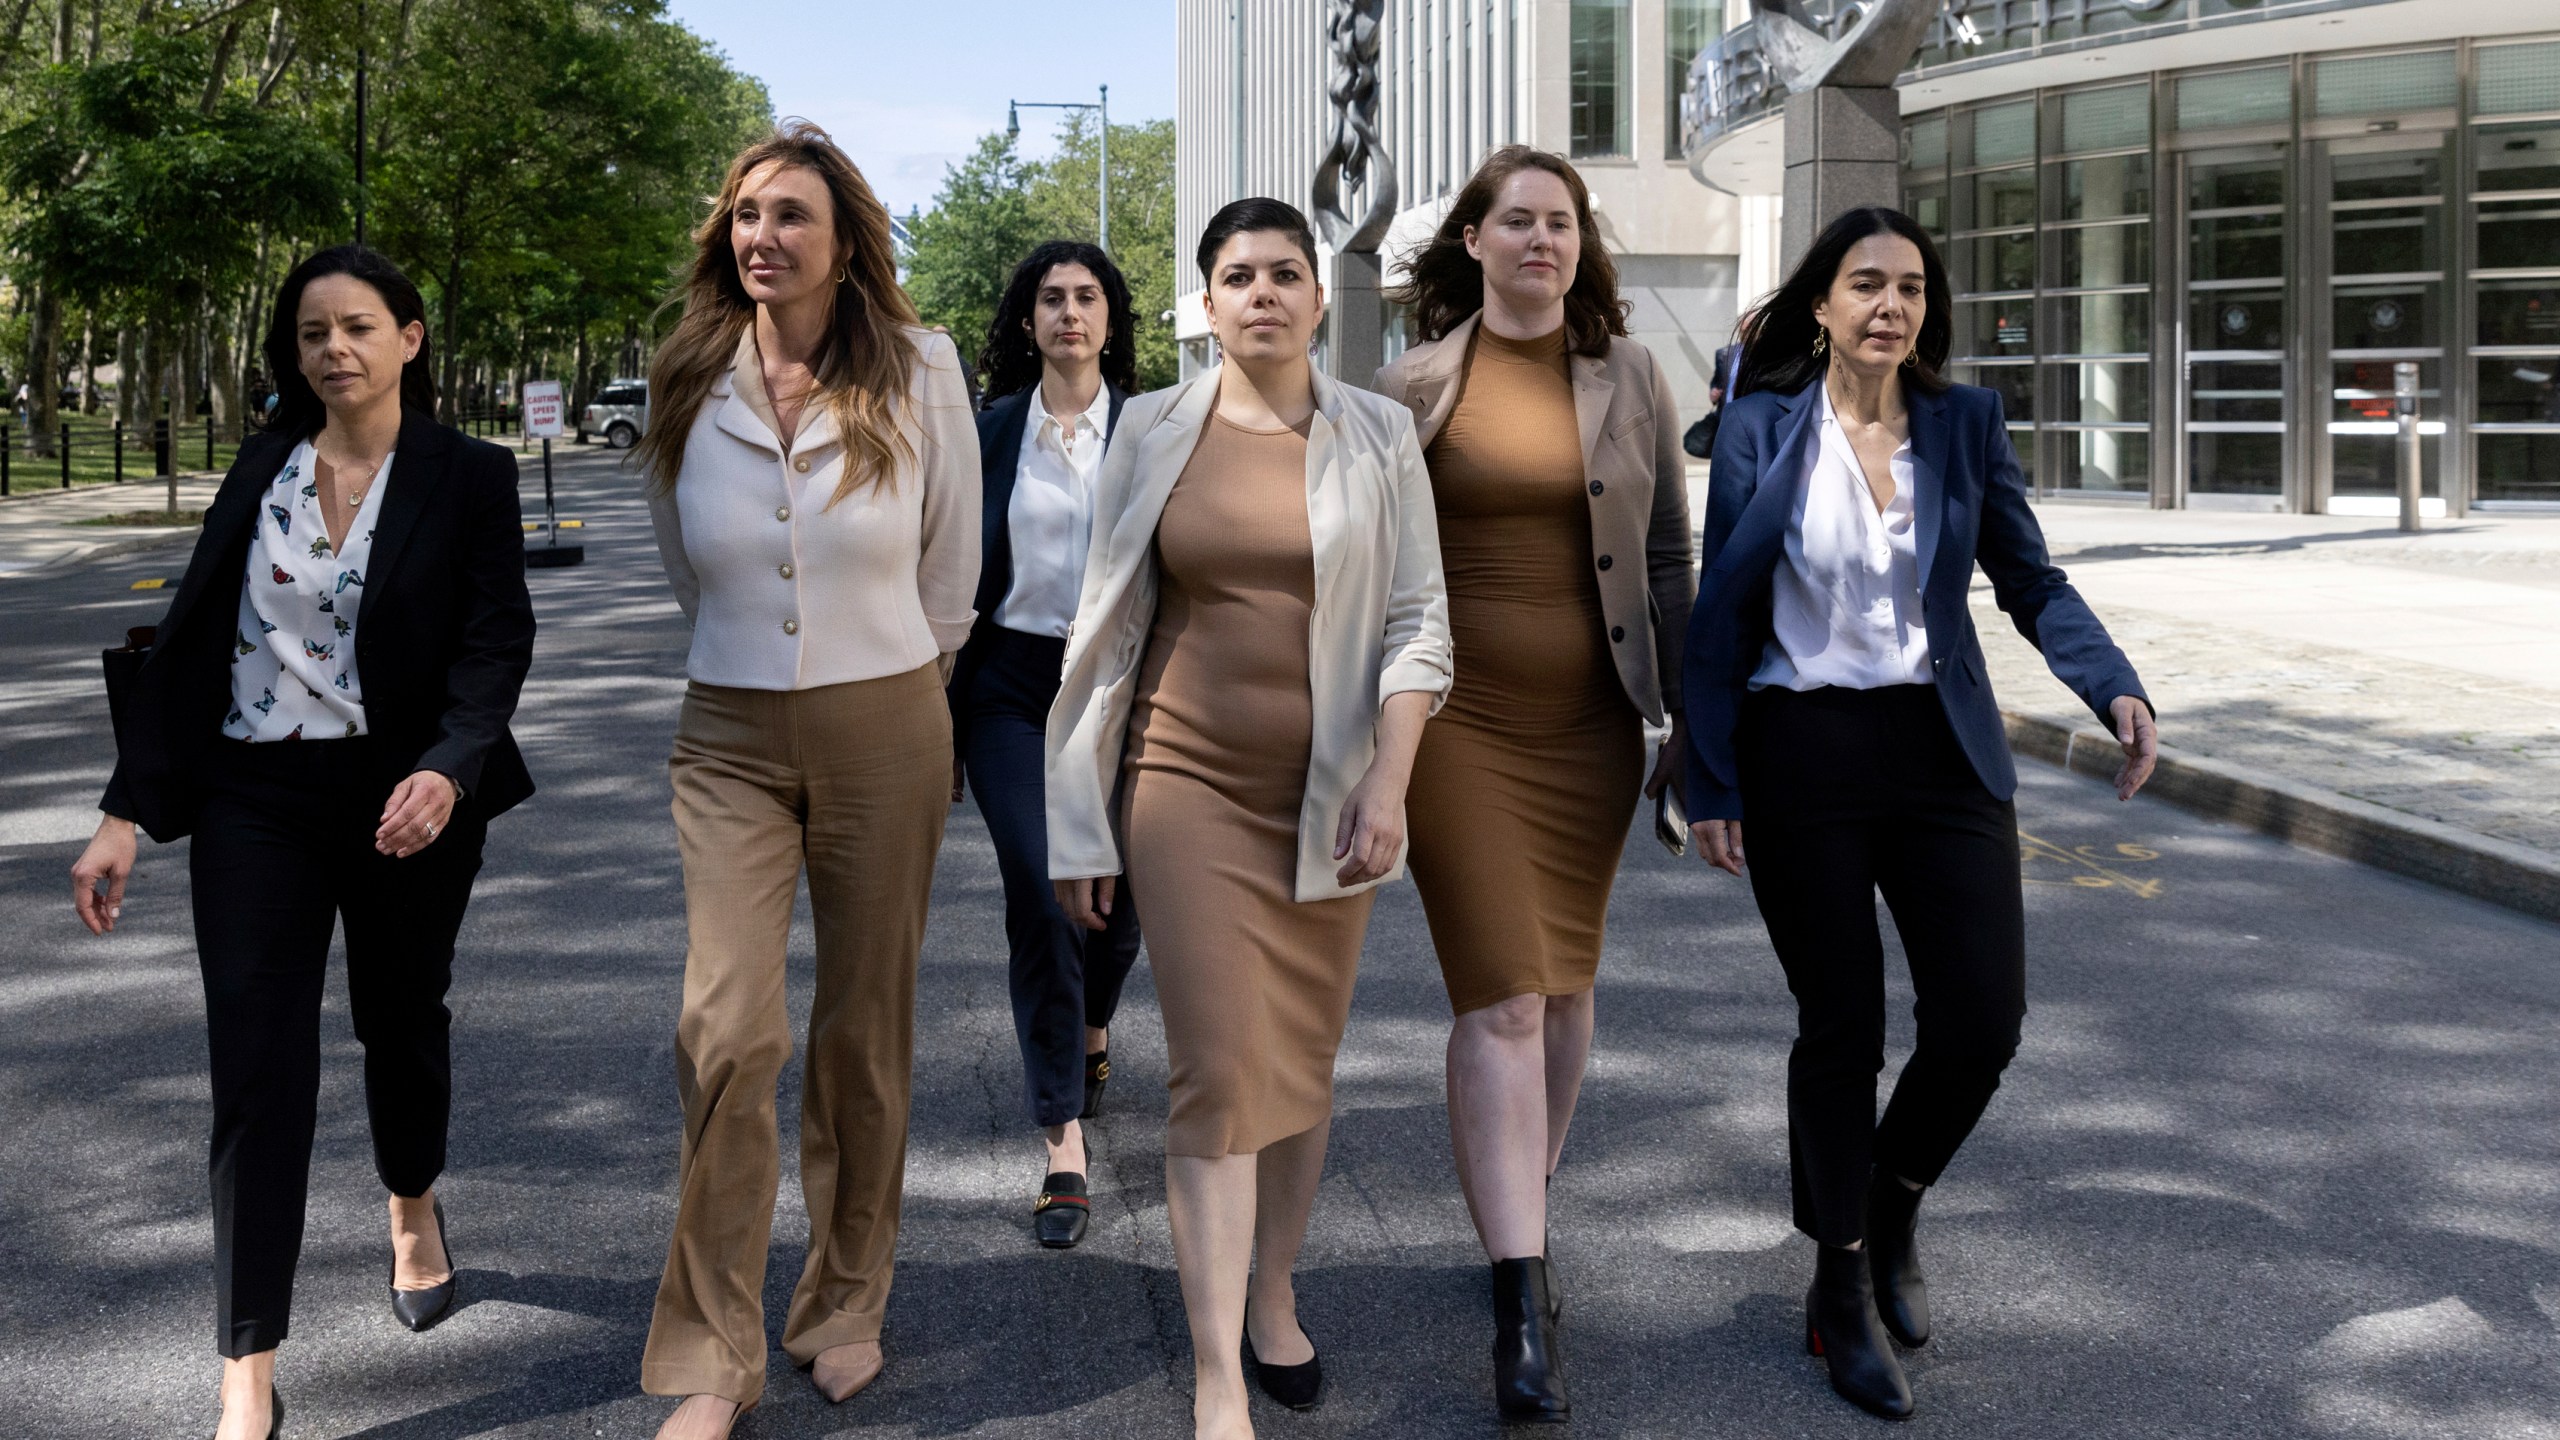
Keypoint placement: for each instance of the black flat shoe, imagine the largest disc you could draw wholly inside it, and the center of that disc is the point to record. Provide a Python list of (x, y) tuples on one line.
[(1097, 1071), (1893, 1258), (421, 1309), (1842, 1327), (1528, 1366), (275, 1413), (1297, 1386), (1059, 1219)]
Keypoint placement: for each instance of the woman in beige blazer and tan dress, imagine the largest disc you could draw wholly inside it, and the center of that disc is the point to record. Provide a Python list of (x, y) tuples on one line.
[(1558, 478), (815, 487), (1261, 636)]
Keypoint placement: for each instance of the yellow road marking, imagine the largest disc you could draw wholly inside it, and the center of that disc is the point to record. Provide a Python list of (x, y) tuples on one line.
[(2085, 867), (533, 525), (149, 584)]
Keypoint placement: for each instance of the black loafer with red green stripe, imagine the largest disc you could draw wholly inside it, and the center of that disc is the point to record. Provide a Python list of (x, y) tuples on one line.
[(1059, 1219)]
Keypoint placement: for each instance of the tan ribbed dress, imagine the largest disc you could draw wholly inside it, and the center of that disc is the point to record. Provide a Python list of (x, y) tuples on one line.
[(1256, 986), (1525, 780)]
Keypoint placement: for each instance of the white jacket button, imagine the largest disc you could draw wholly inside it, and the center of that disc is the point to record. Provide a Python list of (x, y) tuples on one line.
[(790, 627), (784, 513), (800, 465), (786, 572)]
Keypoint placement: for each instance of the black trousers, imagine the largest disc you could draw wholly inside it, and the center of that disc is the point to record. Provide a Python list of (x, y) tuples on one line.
[(1063, 977), (282, 851), (1847, 793)]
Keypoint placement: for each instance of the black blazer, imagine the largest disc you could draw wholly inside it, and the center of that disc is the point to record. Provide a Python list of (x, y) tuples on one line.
[(1000, 428), (444, 633)]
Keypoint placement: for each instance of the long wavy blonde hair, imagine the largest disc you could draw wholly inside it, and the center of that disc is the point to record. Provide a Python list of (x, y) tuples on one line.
[(863, 365)]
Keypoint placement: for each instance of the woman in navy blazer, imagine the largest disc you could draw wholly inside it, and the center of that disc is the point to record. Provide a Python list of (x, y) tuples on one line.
[(1058, 362), (1836, 693)]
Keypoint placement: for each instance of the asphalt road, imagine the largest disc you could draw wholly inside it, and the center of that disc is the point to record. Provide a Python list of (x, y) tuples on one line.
[(2281, 1155)]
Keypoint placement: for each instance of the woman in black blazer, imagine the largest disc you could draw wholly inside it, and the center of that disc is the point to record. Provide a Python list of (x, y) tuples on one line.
[(359, 592), (1058, 361)]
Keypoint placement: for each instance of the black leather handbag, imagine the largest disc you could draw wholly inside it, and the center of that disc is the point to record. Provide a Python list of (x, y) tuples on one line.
[(1700, 441), (124, 666)]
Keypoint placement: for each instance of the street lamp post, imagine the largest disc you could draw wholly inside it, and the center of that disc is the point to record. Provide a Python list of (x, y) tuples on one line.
[(1102, 187)]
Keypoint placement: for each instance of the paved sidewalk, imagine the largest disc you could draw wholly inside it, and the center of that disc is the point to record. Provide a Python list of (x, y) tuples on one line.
[(40, 528), (2419, 673)]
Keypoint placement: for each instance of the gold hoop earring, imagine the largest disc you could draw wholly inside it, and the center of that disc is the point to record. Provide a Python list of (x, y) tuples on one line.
[(845, 276), (1911, 360)]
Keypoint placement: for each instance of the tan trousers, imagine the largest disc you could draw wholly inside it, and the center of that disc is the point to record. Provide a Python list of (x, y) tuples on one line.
[(854, 781)]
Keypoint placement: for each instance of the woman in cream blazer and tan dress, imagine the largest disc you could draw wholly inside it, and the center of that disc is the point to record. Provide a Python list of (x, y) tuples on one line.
[(1564, 527), (815, 488), (1261, 636)]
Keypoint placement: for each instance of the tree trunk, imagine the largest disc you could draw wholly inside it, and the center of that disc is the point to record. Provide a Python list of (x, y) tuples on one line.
[(220, 75), (63, 32), (452, 298), (44, 377), (89, 364), (222, 387)]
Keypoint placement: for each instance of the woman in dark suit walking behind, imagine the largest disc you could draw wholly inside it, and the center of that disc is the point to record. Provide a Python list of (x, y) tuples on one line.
[(1059, 360), (359, 592), (1837, 697)]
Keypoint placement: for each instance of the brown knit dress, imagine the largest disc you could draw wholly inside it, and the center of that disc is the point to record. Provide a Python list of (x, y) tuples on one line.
[(1523, 786), (1256, 986)]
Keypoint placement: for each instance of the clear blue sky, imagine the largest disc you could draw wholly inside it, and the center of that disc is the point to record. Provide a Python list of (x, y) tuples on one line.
[(907, 86)]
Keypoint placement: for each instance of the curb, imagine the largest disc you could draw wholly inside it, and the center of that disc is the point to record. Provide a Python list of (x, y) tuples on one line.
[(108, 550), (2498, 871)]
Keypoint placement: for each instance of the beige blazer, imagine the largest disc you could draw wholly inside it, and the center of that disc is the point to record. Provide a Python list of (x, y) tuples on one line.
[(1638, 490), (787, 591), (1381, 623)]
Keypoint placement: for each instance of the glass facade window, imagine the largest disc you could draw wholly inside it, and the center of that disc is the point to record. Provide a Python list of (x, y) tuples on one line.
[(2197, 286), (1688, 26), (2381, 84), (2517, 79), (1600, 90), (2234, 98)]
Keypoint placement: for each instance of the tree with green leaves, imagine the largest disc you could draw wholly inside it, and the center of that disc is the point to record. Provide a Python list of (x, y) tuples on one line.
[(994, 207)]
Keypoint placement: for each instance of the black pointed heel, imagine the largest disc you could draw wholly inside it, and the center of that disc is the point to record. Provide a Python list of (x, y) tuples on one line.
[(421, 1309), (1297, 1386), (275, 1413), (1528, 1364), (1064, 1207), (1097, 1071), (1893, 1258), (1842, 1327)]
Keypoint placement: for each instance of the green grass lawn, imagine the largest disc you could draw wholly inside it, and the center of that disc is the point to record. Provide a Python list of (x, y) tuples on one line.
[(93, 453)]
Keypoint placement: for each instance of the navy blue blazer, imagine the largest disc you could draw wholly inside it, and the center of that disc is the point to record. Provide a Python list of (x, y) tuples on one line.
[(1971, 509), (1000, 428)]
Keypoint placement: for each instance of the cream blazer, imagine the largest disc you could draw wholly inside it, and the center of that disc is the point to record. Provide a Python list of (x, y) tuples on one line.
[(1380, 627), (1642, 548), (789, 592)]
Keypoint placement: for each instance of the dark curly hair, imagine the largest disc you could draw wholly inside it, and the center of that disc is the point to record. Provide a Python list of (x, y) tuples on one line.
[(1444, 284), (1010, 362), (1777, 336)]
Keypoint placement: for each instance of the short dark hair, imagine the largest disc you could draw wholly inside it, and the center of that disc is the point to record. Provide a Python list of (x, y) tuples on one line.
[(298, 413), (1011, 362), (1777, 336), (1246, 216)]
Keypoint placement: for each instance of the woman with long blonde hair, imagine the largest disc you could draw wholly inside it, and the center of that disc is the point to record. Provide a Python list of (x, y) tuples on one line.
[(814, 482)]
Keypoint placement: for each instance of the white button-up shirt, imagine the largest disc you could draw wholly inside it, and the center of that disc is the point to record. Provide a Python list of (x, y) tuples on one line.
[(1846, 594), (1051, 514), (293, 651)]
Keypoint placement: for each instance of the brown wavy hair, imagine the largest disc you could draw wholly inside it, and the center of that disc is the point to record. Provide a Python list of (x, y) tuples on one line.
[(866, 360), (1444, 284)]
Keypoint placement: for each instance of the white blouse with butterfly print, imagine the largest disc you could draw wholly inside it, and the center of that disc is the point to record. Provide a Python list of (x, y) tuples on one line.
[(293, 655)]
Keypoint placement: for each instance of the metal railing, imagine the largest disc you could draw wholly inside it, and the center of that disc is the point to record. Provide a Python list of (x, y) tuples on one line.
[(89, 450)]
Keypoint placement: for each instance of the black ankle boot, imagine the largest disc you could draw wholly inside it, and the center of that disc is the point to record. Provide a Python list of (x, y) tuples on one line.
[(1841, 1326), (1893, 1258), (1528, 1368)]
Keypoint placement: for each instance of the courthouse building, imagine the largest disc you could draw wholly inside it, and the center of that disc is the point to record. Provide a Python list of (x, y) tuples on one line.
[(1598, 80), (2191, 238)]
